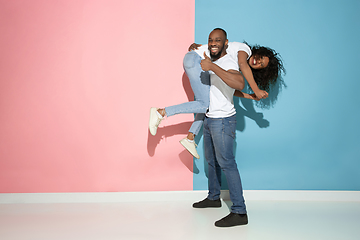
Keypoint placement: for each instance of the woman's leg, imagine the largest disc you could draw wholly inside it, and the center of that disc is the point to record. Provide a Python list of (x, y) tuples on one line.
[(200, 84), (196, 125), (188, 142)]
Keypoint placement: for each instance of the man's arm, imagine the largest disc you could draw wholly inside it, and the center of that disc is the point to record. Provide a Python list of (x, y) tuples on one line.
[(232, 78), (238, 93), (246, 71)]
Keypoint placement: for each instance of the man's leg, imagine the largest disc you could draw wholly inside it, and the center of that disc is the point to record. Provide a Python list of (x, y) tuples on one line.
[(223, 140), (214, 171)]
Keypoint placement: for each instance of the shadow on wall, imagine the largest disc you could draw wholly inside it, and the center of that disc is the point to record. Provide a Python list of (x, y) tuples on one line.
[(248, 111), (164, 132), (187, 87)]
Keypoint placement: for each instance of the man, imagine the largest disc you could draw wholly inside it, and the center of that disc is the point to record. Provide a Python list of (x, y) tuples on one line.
[(220, 128)]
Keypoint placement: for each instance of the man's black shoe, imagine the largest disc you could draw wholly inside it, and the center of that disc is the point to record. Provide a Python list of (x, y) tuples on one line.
[(231, 220), (206, 203)]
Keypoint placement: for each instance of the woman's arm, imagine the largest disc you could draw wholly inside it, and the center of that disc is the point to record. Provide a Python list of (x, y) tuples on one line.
[(246, 71), (194, 46)]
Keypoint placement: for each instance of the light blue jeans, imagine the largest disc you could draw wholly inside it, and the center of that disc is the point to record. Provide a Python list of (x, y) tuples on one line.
[(219, 140), (200, 84)]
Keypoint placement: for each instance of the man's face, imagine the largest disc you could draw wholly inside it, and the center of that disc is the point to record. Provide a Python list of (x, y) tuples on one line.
[(217, 44)]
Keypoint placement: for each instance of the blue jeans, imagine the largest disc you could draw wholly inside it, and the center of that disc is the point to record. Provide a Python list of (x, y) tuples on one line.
[(200, 84), (219, 140)]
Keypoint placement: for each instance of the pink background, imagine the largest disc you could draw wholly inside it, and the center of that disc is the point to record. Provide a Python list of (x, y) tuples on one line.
[(77, 79)]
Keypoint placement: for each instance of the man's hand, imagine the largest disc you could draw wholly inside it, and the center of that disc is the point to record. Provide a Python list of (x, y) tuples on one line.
[(194, 46), (206, 63), (253, 97)]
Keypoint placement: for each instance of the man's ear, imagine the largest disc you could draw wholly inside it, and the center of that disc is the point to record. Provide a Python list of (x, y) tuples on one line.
[(226, 42)]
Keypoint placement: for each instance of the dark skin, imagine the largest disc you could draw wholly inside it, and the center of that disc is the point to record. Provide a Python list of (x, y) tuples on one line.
[(217, 46), (217, 43), (245, 66)]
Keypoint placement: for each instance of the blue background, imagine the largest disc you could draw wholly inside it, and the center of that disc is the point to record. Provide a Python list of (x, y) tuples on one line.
[(310, 139)]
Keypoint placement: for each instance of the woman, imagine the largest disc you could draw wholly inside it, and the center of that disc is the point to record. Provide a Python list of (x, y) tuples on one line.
[(260, 66)]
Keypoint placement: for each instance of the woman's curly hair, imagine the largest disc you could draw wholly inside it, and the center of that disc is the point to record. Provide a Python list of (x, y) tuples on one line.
[(269, 78)]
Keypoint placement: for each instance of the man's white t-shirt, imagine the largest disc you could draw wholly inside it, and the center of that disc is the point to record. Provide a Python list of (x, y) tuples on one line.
[(221, 95), (232, 49)]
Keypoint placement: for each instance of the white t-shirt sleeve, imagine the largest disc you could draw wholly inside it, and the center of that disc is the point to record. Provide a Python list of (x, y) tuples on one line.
[(235, 47)]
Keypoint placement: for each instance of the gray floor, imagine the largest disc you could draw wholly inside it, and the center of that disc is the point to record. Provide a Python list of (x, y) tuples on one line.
[(288, 220)]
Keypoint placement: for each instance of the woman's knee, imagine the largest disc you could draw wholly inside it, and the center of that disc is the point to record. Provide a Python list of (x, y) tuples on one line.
[(190, 59)]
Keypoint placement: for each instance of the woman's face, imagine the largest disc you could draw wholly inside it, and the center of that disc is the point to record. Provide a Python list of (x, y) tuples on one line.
[(258, 62)]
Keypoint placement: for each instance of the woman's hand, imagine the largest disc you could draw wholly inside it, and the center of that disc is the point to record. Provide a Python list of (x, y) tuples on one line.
[(194, 46), (261, 94)]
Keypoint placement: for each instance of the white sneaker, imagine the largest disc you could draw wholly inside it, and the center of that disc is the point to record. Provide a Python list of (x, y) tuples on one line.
[(154, 120), (190, 146)]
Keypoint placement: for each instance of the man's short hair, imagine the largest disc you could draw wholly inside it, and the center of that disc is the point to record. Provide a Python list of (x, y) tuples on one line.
[(222, 31)]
